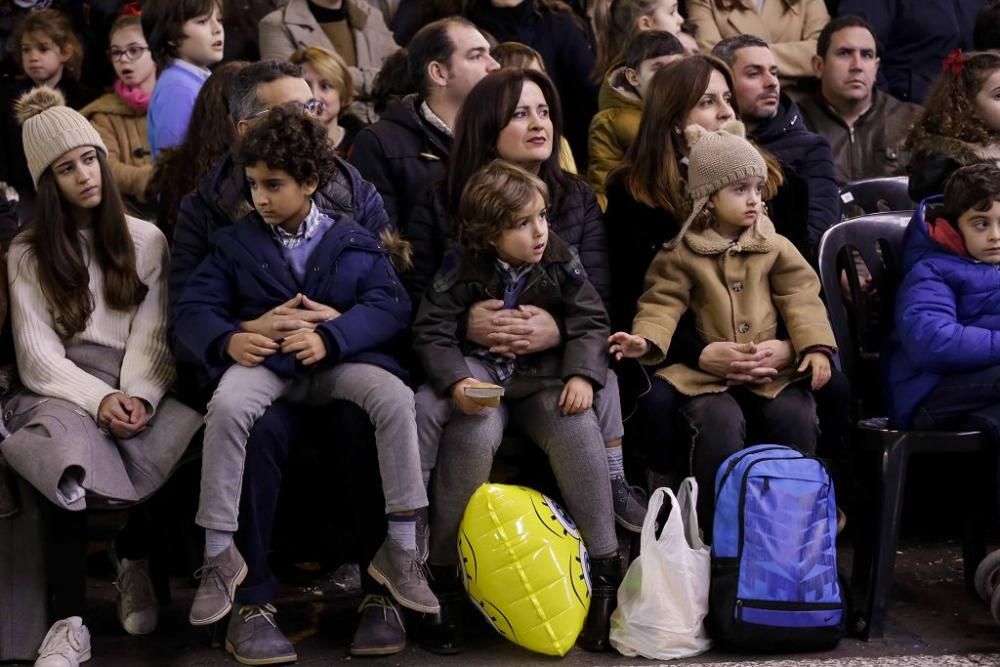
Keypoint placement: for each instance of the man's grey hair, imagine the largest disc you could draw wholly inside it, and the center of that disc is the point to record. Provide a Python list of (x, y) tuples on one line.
[(241, 94)]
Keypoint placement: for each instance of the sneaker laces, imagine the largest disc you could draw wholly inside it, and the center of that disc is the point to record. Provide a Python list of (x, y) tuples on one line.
[(215, 573), (265, 611), (383, 602), (60, 640), (134, 583)]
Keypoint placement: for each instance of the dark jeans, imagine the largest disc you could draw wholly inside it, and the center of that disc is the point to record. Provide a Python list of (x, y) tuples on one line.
[(719, 425), (963, 400), (353, 468)]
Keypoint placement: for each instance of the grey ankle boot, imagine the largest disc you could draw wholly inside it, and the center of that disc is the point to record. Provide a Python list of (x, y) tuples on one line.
[(253, 638), (380, 629)]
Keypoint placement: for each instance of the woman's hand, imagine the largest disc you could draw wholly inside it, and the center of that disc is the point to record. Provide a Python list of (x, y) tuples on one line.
[(624, 344), (250, 349), (577, 395), (511, 333), (464, 403), (782, 353), (122, 416), (819, 364)]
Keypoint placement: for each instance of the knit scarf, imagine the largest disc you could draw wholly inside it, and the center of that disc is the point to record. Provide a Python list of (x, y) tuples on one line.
[(133, 96)]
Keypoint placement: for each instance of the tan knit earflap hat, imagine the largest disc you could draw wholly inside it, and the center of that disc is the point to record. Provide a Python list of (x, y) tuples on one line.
[(717, 159), (49, 128)]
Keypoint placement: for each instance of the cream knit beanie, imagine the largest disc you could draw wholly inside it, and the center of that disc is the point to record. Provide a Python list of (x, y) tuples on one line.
[(716, 160), (49, 128)]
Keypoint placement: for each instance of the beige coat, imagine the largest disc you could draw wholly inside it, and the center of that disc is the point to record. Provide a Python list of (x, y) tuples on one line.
[(293, 26), (123, 130), (738, 293), (790, 32)]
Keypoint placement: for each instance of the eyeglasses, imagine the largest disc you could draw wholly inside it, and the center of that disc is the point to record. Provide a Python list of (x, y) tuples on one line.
[(313, 107), (130, 53)]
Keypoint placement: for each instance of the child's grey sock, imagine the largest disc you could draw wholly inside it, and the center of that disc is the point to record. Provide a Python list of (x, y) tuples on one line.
[(217, 541), (403, 531), (616, 462)]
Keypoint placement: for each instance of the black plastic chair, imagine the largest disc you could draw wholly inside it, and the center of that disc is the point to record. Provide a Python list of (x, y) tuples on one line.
[(876, 195), (860, 328)]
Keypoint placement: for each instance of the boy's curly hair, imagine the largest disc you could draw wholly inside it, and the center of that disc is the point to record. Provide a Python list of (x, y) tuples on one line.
[(971, 188), (950, 107), (288, 138), (491, 200)]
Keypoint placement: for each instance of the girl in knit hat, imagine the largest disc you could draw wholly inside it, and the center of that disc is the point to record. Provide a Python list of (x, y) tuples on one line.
[(88, 309), (739, 278)]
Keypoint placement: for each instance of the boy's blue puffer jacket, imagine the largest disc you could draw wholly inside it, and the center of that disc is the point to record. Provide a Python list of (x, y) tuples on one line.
[(246, 275), (947, 318)]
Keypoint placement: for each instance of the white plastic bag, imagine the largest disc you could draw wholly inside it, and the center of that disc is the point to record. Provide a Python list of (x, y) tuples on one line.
[(663, 600)]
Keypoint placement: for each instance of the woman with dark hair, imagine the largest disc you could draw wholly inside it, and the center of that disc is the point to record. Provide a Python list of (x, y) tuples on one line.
[(552, 28), (209, 138), (88, 308), (495, 127)]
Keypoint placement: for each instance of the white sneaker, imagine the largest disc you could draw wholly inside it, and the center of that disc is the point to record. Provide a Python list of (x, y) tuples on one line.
[(66, 644), (138, 608)]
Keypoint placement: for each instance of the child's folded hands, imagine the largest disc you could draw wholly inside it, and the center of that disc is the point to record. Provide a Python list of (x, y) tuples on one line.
[(307, 346), (250, 349)]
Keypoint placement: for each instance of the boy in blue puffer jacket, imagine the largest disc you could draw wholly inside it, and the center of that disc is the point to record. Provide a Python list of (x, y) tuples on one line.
[(290, 249), (941, 367)]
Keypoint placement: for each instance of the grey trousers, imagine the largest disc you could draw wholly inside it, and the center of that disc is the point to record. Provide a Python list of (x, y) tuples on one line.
[(575, 449), (245, 393), (435, 411)]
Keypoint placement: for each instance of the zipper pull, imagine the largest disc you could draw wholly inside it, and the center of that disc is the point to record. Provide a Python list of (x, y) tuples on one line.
[(738, 611), (767, 484)]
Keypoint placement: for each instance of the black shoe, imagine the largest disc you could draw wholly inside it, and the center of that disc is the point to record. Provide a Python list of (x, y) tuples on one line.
[(443, 633), (605, 577)]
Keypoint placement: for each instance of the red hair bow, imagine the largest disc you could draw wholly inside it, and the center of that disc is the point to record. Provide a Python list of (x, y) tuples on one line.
[(954, 63), (132, 9)]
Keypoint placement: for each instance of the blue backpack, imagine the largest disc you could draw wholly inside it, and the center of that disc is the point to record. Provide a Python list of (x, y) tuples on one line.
[(775, 585)]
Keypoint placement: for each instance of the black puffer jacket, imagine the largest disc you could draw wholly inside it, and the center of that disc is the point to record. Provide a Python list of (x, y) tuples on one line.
[(566, 49), (401, 155), (575, 217), (808, 157)]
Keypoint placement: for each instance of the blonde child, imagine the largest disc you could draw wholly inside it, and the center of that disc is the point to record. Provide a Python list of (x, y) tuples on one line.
[(329, 78)]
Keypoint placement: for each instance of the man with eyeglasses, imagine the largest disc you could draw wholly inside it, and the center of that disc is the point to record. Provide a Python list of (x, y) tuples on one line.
[(222, 198)]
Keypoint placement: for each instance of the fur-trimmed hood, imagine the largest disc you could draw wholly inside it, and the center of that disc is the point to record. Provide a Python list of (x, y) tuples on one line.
[(400, 250), (963, 152)]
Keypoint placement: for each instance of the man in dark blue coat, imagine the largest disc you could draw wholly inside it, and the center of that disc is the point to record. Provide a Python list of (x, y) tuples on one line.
[(221, 199), (776, 124), (914, 38)]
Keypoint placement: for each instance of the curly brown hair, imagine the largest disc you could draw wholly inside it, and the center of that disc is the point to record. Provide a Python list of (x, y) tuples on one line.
[(58, 27), (289, 139), (950, 107), (491, 200)]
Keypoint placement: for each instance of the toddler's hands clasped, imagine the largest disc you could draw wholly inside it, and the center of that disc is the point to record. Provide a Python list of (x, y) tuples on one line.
[(250, 349), (819, 364), (307, 346), (624, 344), (577, 395)]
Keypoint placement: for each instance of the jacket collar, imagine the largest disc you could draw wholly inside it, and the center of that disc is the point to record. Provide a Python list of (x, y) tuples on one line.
[(821, 103), (759, 238), (787, 119), (481, 266), (297, 13), (406, 113)]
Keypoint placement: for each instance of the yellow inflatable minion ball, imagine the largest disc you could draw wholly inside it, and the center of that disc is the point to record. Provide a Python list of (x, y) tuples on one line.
[(525, 567)]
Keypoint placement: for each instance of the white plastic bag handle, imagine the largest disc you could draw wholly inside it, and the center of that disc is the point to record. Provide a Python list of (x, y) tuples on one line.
[(687, 501)]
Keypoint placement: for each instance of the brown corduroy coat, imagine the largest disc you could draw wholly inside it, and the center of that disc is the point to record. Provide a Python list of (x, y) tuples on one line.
[(738, 292), (123, 130)]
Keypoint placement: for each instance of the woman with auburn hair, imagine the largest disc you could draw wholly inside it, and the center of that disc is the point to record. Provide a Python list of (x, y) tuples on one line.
[(960, 122), (210, 135)]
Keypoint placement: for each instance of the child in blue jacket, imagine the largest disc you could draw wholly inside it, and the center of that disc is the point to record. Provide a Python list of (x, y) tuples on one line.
[(287, 248), (941, 367)]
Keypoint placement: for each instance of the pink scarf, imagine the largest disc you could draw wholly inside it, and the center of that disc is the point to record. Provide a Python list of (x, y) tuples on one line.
[(134, 97)]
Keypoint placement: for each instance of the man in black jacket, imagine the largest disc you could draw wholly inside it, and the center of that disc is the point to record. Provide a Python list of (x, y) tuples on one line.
[(776, 124), (406, 149)]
